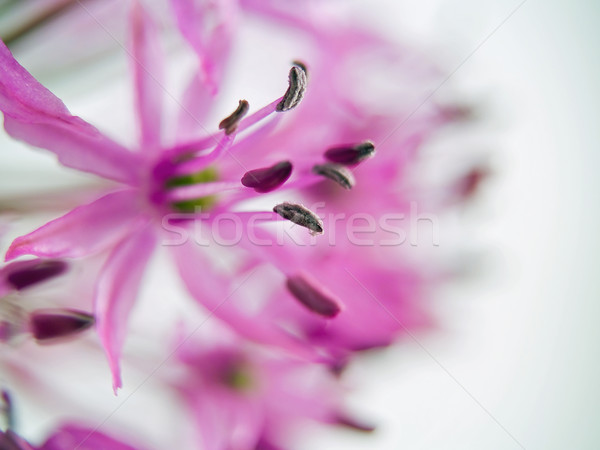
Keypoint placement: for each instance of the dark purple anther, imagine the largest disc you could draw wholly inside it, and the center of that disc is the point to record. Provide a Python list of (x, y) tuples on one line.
[(52, 324), (351, 155), (269, 178), (28, 273), (314, 296)]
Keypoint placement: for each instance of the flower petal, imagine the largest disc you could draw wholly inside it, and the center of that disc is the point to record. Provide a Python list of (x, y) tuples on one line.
[(85, 230), (212, 47), (75, 436), (116, 293), (214, 291), (147, 65), (36, 116)]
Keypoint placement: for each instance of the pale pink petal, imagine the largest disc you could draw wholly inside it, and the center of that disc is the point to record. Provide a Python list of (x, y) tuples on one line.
[(116, 292), (148, 71), (208, 27), (85, 230), (33, 114), (216, 293), (72, 436)]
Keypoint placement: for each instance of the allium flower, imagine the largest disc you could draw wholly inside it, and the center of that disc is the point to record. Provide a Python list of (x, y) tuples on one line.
[(325, 299), (155, 180)]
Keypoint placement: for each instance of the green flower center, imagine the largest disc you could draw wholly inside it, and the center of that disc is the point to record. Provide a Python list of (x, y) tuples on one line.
[(207, 175)]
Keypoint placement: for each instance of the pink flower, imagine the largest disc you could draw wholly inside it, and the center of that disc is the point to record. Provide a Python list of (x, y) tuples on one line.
[(154, 180), (216, 173), (243, 396)]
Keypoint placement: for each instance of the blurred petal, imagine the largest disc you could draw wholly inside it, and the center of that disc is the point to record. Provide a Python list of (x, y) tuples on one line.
[(147, 64), (194, 18), (213, 47), (214, 291), (116, 292), (34, 115), (74, 436), (85, 230)]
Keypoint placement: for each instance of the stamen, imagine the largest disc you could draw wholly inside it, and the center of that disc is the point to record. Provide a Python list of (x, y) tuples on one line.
[(34, 272), (300, 216), (295, 92), (269, 178), (51, 324), (336, 172), (350, 156), (231, 122), (313, 295)]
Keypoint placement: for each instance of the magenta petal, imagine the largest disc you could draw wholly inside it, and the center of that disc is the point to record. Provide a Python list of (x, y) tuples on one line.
[(34, 115), (147, 64), (74, 436), (116, 292), (85, 230)]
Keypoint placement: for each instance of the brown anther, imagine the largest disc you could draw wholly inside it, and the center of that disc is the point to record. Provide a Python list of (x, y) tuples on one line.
[(231, 122)]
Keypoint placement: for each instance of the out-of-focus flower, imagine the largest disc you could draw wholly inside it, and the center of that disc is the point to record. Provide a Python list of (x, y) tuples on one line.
[(244, 396), (325, 293), (66, 437)]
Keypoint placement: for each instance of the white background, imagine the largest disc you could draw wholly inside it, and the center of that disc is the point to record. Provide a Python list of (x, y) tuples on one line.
[(518, 354)]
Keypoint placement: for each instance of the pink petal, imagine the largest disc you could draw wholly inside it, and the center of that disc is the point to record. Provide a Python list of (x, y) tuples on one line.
[(72, 436), (194, 18), (116, 292), (213, 47), (34, 115), (216, 293), (85, 230), (147, 64)]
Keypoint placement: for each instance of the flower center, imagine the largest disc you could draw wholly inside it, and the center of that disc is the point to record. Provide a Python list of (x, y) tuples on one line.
[(207, 175)]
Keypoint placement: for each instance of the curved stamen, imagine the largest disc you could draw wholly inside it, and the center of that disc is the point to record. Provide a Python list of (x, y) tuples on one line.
[(336, 172), (269, 178), (200, 162), (300, 215), (297, 87), (351, 155), (313, 295)]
